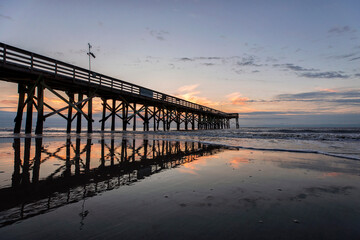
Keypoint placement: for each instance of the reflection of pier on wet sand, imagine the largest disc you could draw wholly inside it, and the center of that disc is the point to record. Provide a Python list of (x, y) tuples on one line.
[(120, 163)]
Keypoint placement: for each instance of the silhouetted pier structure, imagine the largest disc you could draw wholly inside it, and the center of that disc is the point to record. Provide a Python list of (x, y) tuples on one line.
[(35, 73), (79, 175)]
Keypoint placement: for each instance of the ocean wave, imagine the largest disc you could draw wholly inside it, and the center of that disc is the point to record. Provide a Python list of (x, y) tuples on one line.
[(316, 134)]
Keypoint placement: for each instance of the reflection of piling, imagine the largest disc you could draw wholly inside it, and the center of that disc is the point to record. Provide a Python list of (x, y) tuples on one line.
[(69, 117), (155, 156), (77, 156), (26, 162), (88, 155), (16, 177), (67, 172), (37, 160)]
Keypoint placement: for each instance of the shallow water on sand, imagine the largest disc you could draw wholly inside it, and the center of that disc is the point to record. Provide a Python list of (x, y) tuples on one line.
[(143, 187)]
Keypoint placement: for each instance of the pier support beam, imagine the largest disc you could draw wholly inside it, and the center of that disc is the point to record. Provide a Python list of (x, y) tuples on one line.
[(40, 110), (90, 120), (199, 122), (125, 109), (146, 119), (18, 118), (29, 110), (154, 118), (103, 114), (134, 120), (78, 120), (113, 115), (193, 121), (69, 117), (164, 119), (178, 120)]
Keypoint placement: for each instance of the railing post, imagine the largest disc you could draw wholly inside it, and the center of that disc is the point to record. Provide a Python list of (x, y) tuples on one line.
[(32, 61)]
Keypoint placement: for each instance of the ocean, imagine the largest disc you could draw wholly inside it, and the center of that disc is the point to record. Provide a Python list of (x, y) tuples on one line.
[(342, 142), (247, 183)]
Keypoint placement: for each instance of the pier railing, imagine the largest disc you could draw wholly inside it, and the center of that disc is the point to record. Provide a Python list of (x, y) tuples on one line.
[(33, 62)]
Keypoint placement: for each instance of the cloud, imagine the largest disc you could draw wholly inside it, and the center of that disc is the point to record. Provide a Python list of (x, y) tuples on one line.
[(191, 93), (312, 72), (6, 17), (209, 64), (353, 59), (248, 61), (340, 30), (294, 67), (329, 75), (256, 113), (185, 59), (350, 97), (344, 56), (9, 102), (235, 98), (187, 88), (159, 35)]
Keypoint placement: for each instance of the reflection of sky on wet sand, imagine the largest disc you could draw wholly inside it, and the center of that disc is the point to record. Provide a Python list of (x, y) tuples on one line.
[(227, 194)]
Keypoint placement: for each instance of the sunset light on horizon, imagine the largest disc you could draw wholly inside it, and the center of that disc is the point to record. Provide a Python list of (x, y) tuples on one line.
[(274, 62)]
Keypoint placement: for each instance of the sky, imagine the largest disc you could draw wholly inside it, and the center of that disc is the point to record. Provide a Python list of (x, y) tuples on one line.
[(275, 62)]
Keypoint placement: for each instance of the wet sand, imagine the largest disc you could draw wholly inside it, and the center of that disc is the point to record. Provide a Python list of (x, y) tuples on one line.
[(156, 189)]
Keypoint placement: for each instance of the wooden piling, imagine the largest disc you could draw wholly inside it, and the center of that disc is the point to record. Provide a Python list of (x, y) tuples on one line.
[(90, 120), (164, 119), (103, 114), (124, 115), (134, 120), (113, 115), (78, 120), (154, 118), (40, 110), (18, 118), (146, 118), (29, 111), (193, 121), (69, 117), (178, 120)]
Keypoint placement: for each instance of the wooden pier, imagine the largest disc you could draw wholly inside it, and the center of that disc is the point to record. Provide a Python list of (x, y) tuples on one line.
[(77, 87)]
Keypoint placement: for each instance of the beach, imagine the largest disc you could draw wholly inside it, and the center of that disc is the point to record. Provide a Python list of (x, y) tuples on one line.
[(181, 185)]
